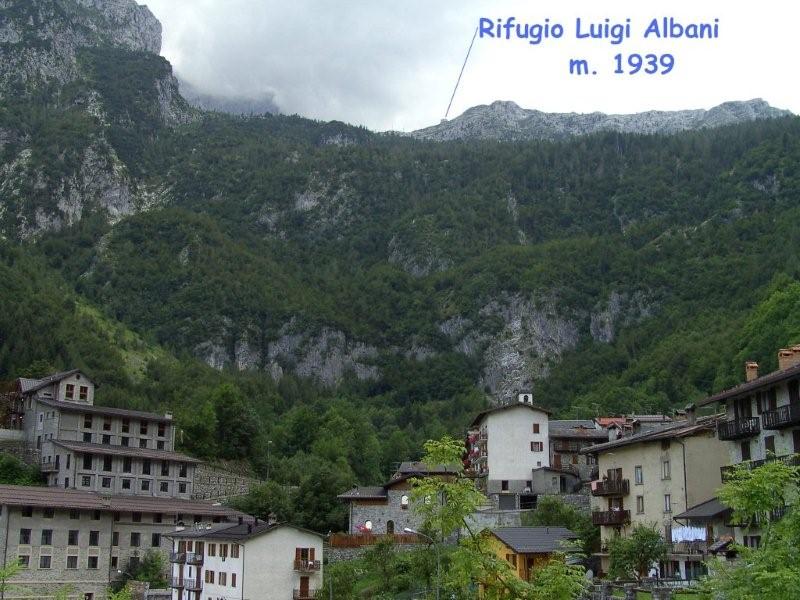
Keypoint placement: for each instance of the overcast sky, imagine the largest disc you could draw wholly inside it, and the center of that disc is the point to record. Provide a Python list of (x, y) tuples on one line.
[(393, 65)]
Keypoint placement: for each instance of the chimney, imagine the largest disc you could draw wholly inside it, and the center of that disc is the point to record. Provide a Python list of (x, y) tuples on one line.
[(751, 370), (785, 358), (241, 520), (249, 528), (691, 414)]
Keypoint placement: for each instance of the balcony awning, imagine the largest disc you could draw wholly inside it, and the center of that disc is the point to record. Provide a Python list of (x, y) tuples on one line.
[(705, 511)]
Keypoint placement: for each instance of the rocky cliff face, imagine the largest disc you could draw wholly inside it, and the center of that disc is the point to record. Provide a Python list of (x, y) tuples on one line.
[(506, 121)]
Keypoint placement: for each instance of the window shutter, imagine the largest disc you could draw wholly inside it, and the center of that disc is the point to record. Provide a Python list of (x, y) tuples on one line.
[(297, 553), (311, 554)]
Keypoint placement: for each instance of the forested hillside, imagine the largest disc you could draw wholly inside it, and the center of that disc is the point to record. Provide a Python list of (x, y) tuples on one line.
[(346, 295)]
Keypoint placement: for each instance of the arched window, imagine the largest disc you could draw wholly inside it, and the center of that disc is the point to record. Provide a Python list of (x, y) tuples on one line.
[(368, 525), (404, 502), (390, 527)]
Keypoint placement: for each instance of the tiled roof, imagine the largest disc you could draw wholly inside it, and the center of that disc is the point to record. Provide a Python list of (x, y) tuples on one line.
[(235, 532), (751, 386), (534, 540), (365, 493), (420, 468), (576, 429), (668, 431), (53, 497), (105, 410), (479, 417), (87, 448), (31, 385)]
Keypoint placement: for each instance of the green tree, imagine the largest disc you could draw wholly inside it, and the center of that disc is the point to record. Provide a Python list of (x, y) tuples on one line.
[(551, 510), (267, 499), (635, 553)]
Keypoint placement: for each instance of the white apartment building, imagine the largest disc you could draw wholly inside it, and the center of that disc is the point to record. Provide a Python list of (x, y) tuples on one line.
[(246, 561), (762, 420), (505, 445)]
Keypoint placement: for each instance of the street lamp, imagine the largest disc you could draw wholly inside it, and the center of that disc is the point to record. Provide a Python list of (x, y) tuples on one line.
[(436, 548)]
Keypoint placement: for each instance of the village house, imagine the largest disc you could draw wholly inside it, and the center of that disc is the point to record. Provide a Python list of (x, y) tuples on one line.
[(529, 548), (65, 536), (388, 508), (504, 446), (649, 477), (246, 560), (762, 421), (92, 448), (568, 438)]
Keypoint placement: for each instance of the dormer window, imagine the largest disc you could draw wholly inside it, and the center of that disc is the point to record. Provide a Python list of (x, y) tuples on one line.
[(69, 394), (84, 393)]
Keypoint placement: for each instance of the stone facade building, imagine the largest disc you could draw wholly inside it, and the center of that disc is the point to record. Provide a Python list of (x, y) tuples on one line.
[(84, 541), (102, 449), (246, 560), (568, 438)]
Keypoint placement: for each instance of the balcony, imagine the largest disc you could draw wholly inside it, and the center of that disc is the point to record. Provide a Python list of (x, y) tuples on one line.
[(611, 517), (783, 416), (738, 428), (611, 487), (49, 467), (193, 558), (177, 583), (307, 566), (567, 446), (192, 585), (792, 460), (304, 594), (178, 558)]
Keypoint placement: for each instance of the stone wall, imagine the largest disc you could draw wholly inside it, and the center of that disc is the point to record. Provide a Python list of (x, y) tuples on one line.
[(13, 442), (381, 514), (335, 555), (213, 483)]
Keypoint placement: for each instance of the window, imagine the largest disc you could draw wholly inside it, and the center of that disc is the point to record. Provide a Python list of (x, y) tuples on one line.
[(665, 469), (44, 562), (87, 462), (165, 468), (126, 464), (163, 486), (24, 561), (94, 538), (638, 475), (212, 549), (504, 485), (667, 503), (143, 428), (125, 441), (27, 511), (84, 392), (233, 579), (96, 515), (47, 537), (115, 538), (223, 578), (108, 462), (404, 502), (114, 562), (87, 437), (536, 428), (158, 518), (117, 517), (155, 540), (24, 537), (234, 550), (183, 470), (87, 421), (126, 425), (136, 517), (72, 537), (162, 430), (106, 424), (160, 445), (182, 488), (48, 513), (223, 550), (126, 484), (106, 482), (68, 457), (136, 540), (209, 576), (72, 562), (70, 392), (145, 485), (639, 504), (146, 466), (745, 447), (143, 443), (92, 562), (74, 514), (107, 440), (769, 445), (86, 481), (536, 446)]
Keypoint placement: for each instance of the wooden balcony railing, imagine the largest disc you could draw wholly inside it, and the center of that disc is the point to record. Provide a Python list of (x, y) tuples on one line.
[(567, 446), (48, 467), (789, 459), (177, 557), (346, 540), (177, 582), (738, 428), (781, 417), (304, 594), (611, 487), (193, 558), (611, 517), (192, 585), (306, 566)]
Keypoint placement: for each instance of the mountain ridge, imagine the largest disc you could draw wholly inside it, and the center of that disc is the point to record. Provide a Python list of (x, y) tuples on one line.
[(507, 121)]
